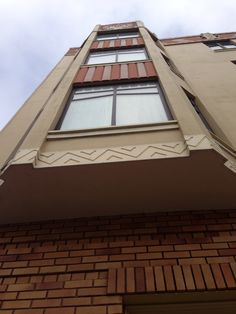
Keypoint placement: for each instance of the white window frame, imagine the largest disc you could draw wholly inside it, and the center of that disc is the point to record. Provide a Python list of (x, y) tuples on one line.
[(219, 45), (112, 91), (116, 53), (114, 36)]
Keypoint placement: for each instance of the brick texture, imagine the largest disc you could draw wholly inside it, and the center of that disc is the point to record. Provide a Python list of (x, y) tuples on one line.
[(87, 265)]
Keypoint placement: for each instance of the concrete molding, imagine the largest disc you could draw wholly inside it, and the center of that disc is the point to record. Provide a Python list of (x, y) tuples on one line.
[(231, 165), (198, 142), (120, 153)]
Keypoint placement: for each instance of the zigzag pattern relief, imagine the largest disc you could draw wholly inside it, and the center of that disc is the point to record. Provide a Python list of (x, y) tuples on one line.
[(25, 156), (168, 150), (199, 141)]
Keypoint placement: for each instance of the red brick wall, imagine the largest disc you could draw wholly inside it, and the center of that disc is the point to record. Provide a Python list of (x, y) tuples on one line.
[(84, 266)]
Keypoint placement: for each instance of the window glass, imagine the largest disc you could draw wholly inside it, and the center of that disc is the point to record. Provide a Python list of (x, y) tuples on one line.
[(117, 36), (221, 45), (98, 57), (136, 85), (117, 56), (138, 109), (131, 55), (88, 113), (104, 106), (230, 46)]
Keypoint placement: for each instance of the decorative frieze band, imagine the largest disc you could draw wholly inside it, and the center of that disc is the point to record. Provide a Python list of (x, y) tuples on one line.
[(118, 154)]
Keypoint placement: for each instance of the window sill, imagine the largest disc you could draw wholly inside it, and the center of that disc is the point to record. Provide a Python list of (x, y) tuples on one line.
[(112, 130)]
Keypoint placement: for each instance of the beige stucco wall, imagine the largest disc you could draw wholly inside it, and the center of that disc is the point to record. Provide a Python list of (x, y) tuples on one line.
[(212, 77), (31, 130)]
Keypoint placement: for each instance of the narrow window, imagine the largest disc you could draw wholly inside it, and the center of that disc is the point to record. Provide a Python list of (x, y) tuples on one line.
[(121, 55), (127, 104), (117, 36), (221, 45), (171, 66), (198, 111)]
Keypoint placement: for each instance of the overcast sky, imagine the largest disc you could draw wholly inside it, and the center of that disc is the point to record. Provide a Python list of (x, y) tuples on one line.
[(35, 34)]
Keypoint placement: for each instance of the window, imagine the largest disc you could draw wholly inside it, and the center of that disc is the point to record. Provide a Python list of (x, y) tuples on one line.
[(221, 45), (117, 36), (104, 106), (171, 65), (117, 56), (196, 108)]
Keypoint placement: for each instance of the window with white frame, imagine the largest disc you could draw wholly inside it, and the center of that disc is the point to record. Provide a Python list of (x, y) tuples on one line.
[(115, 105), (221, 45), (121, 55), (113, 36)]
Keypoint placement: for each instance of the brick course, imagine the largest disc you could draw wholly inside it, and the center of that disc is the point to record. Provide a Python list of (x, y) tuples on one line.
[(85, 265)]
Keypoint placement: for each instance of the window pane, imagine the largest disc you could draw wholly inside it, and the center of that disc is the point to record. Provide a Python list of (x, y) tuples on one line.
[(93, 89), (132, 109), (136, 85), (91, 95), (126, 35), (131, 55), (138, 91), (229, 46), (106, 36), (88, 113), (216, 47), (97, 58), (117, 35)]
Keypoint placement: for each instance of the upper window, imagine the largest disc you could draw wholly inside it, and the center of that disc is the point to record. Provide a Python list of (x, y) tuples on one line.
[(198, 111), (104, 106), (121, 55), (221, 45), (117, 36)]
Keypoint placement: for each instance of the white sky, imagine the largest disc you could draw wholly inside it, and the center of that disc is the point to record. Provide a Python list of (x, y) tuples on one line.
[(35, 34)]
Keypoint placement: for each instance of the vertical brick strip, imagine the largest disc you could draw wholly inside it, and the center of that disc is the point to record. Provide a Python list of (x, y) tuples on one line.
[(233, 267), (159, 279), (81, 75), (140, 41), (124, 71), (149, 279), (111, 281), (129, 42), (150, 69), (141, 69), (112, 44), (107, 73), (208, 278), (89, 75), (228, 276), (130, 280), (217, 274), (188, 277), (120, 280), (179, 279), (117, 43), (197, 274), (94, 45), (169, 279), (106, 44), (100, 44), (139, 279), (98, 73), (132, 70), (115, 72), (135, 41)]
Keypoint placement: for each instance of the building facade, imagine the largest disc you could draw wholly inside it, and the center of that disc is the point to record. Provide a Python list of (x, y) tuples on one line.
[(118, 184)]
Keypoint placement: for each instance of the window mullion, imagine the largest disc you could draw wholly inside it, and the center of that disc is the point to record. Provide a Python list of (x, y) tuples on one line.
[(113, 116)]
